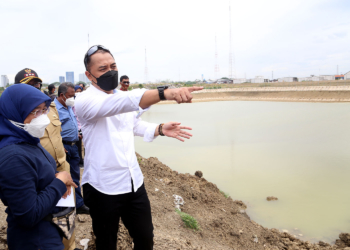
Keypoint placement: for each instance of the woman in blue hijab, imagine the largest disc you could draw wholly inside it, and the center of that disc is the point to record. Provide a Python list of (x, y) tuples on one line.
[(29, 185), (77, 87)]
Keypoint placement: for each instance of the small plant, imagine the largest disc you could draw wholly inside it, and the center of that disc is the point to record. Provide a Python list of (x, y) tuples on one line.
[(188, 220), (225, 194)]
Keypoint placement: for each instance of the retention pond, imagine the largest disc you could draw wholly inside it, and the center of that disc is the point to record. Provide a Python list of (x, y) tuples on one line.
[(297, 152)]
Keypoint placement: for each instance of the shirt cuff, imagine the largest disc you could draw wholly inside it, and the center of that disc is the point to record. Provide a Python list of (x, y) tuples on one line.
[(60, 186), (136, 95), (141, 111), (149, 134)]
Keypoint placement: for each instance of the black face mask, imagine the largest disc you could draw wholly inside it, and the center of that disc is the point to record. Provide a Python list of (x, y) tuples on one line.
[(108, 81)]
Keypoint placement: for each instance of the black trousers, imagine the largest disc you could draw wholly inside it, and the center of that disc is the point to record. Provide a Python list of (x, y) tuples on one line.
[(133, 208), (78, 143)]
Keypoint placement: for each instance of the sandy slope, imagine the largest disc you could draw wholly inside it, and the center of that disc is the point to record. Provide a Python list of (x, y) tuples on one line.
[(223, 221)]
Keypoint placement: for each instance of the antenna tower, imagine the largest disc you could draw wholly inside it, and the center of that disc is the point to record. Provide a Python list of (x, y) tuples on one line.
[(146, 69), (231, 56), (216, 69)]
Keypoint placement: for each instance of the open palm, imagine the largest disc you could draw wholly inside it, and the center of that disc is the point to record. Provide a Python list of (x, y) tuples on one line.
[(174, 130)]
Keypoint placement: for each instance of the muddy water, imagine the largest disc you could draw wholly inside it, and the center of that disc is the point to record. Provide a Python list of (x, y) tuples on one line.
[(298, 152)]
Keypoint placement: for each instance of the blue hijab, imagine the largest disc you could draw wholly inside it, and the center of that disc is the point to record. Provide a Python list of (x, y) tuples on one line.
[(78, 87), (16, 103)]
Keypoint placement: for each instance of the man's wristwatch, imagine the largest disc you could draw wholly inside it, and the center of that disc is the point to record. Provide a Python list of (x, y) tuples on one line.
[(161, 92)]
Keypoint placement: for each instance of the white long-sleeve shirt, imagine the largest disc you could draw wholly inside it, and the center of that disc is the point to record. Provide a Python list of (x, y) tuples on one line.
[(109, 123)]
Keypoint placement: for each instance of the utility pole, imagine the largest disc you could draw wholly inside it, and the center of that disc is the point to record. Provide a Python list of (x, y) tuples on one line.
[(216, 68), (146, 69), (230, 60)]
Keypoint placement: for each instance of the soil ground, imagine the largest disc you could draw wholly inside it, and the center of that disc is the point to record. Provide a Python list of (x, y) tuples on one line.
[(223, 222), (304, 96), (278, 94)]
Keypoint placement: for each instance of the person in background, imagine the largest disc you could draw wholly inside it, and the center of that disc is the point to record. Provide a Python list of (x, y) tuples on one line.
[(30, 186), (30, 77), (52, 90), (124, 82), (82, 85), (52, 142), (78, 90), (70, 136), (112, 180)]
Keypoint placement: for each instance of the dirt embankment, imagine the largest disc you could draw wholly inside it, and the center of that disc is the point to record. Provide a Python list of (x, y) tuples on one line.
[(323, 95), (278, 96), (223, 222)]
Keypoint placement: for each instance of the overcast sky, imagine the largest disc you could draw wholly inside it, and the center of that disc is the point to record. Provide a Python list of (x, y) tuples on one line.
[(289, 37)]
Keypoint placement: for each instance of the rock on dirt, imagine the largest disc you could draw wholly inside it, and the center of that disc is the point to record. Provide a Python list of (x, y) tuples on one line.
[(198, 174), (272, 198)]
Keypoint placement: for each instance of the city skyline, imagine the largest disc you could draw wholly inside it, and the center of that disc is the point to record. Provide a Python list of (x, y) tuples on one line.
[(70, 76), (4, 81), (61, 79)]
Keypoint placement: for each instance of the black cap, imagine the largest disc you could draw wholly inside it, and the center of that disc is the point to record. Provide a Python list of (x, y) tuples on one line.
[(25, 75)]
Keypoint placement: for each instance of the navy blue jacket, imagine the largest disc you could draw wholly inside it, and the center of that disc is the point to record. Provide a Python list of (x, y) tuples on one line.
[(29, 188)]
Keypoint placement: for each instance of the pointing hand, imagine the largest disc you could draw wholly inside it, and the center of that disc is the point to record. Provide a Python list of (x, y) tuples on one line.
[(181, 95)]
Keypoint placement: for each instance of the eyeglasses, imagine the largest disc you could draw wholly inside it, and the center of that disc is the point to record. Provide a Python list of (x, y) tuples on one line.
[(40, 112), (125, 82), (92, 51), (34, 82)]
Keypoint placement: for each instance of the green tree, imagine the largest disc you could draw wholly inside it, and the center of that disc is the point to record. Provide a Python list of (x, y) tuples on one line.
[(140, 86)]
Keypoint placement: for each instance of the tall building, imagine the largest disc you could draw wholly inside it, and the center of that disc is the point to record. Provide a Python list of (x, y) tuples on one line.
[(4, 81), (83, 78), (70, 77), (61, 79)]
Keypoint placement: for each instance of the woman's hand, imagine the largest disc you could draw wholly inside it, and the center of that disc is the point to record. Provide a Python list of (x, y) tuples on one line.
[(174, 130), (66, 178), (68, 192)]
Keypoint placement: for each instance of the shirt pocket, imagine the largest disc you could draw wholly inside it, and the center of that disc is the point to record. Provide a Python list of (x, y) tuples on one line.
[(54, 129)]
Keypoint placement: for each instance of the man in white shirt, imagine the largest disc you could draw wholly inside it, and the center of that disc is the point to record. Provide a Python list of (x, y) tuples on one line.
[(112, 181)]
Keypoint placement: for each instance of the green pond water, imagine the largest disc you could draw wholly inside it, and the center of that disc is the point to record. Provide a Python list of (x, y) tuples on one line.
[(298, 152)]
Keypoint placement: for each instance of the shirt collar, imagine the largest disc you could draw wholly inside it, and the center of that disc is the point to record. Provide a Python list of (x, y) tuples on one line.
[(94, 89), (59, 105)]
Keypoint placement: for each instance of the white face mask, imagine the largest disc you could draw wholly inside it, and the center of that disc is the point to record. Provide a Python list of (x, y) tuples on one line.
[(69, 102), (36, 127)]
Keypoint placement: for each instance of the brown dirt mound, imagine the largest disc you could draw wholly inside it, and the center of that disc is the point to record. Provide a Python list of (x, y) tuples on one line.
[(223, 222)]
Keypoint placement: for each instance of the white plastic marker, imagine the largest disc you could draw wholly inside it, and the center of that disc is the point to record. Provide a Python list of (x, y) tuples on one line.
[(68, 202)]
